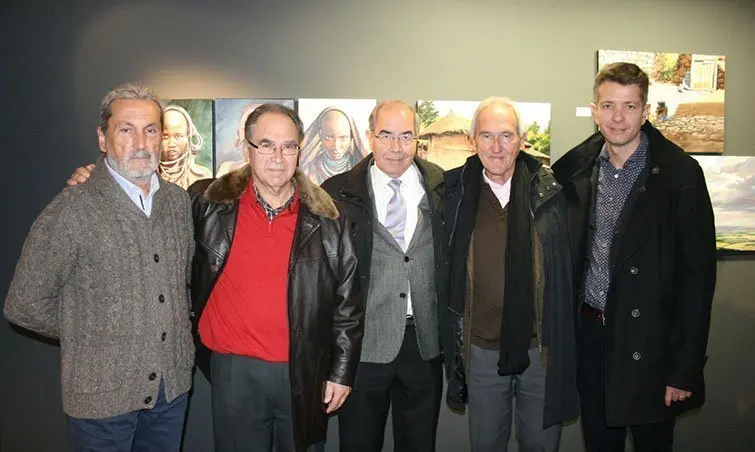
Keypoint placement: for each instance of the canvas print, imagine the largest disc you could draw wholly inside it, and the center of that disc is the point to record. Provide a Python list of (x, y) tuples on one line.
[(444, 135), (187, 141), (334, 137), (731, 184), (686, 95), (230, 117)]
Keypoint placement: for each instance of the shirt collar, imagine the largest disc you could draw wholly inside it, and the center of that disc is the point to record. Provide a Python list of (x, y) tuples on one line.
[(638, 156), (129, 187), (269, 210)]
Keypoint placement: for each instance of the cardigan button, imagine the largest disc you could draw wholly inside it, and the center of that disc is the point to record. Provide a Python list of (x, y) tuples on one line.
[(157, 258), (636, 356), (635, 313), (634, 270)]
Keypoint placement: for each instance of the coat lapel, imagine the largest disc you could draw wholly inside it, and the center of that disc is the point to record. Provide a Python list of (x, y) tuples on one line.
[(645, 214)]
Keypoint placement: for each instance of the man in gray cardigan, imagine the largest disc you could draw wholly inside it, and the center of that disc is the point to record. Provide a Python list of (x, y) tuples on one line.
[(104, 270)]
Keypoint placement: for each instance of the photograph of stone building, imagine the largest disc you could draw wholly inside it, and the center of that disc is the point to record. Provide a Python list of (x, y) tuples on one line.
[(686, 95)]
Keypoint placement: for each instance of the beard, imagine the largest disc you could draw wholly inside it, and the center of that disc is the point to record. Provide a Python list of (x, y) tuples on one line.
[(131, 168)]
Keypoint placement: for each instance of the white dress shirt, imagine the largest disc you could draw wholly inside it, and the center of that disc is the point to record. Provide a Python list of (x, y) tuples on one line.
[(501, 191), (144, 203), (412, 191)]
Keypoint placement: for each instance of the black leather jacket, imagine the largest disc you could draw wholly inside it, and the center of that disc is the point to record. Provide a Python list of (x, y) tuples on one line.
[(325, 309), (548, 207)]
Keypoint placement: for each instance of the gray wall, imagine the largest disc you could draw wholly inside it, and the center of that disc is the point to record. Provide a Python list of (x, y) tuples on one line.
[(59, 58)]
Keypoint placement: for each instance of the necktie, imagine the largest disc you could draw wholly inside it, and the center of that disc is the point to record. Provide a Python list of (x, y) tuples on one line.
[(395, 215)]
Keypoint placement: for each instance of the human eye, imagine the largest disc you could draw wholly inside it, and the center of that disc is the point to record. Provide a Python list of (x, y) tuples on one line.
[(508, 135), (328, 137), (290, 148), (606, 106), (486, 136), (406, 137), (266, 145), (152, 130)]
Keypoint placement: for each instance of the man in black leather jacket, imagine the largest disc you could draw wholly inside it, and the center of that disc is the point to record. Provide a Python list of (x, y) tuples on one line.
[(234, 277)]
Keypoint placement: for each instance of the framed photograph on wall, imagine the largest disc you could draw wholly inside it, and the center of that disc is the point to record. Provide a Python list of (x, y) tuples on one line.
[(731, 184), (686, 95), (444, 135), (335, 135), (187, 141)]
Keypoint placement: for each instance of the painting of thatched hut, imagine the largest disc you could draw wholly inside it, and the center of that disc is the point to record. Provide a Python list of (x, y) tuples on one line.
[(447, 141)]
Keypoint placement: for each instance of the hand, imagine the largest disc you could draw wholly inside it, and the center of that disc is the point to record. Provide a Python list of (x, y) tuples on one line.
[(676, 395), (81, 175), (335, 395)]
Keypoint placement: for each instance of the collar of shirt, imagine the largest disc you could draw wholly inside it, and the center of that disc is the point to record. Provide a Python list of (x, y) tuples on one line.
[(269, 210), (638, 157), (409, 180), (135, 193), (501, 191)]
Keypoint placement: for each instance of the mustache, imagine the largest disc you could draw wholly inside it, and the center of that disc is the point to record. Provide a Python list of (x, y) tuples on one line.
[(140, 154)]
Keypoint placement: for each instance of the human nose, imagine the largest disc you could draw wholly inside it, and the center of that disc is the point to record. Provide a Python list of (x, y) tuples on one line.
[(140, 140)]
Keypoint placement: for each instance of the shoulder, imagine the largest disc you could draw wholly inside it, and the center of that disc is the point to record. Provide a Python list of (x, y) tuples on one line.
[(579, 157), (333, 184)]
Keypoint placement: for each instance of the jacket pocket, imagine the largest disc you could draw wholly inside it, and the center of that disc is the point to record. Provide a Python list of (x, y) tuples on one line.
[(90, 369)]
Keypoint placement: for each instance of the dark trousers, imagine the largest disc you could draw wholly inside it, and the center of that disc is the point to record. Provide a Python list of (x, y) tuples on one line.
[(408, 384), (655, 437), (251, 405), (158, 429)]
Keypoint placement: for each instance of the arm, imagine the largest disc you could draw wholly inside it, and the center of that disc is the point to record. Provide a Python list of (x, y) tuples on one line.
[(47, 259), (694, 283), (348, 324)]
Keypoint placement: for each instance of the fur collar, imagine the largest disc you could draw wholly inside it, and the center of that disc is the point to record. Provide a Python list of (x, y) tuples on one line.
[(229, 188)]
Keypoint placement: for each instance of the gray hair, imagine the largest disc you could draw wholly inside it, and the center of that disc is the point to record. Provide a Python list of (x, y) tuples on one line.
[(255, 115), (388, 103), (127, 91), (499, 102), (195, 138)]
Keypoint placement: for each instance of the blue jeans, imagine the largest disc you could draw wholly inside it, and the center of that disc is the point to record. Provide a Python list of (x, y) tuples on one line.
[(158, 429)]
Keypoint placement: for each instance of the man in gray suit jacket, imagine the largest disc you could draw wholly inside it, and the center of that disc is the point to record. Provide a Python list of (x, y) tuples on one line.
[(394, 199), (104, 270)]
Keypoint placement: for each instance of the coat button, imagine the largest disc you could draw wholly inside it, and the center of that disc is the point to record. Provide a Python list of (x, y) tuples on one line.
[(406, 258), (163, 336), (635, 313), (147, 400), (152, 376), (402, 295), (655, 170), (634, 270), (157, 258), (540, 195), (161, 298), (636, 356)]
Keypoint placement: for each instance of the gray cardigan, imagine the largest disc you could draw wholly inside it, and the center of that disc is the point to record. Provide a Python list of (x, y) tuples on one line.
[(112, 285)]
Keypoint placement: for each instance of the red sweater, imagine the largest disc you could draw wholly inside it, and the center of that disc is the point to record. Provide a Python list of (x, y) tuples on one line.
[(247, 312)]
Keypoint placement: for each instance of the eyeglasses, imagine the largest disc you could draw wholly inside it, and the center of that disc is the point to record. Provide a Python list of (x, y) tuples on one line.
[(268, 148), (489, 138), (404, 139)]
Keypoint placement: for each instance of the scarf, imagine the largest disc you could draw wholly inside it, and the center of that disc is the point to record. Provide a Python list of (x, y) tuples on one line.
[(519, 292)]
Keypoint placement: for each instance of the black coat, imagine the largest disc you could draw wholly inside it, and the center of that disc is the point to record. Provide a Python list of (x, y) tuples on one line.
[(663, 272), (350, 189), (548, 207), (325, 309)]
